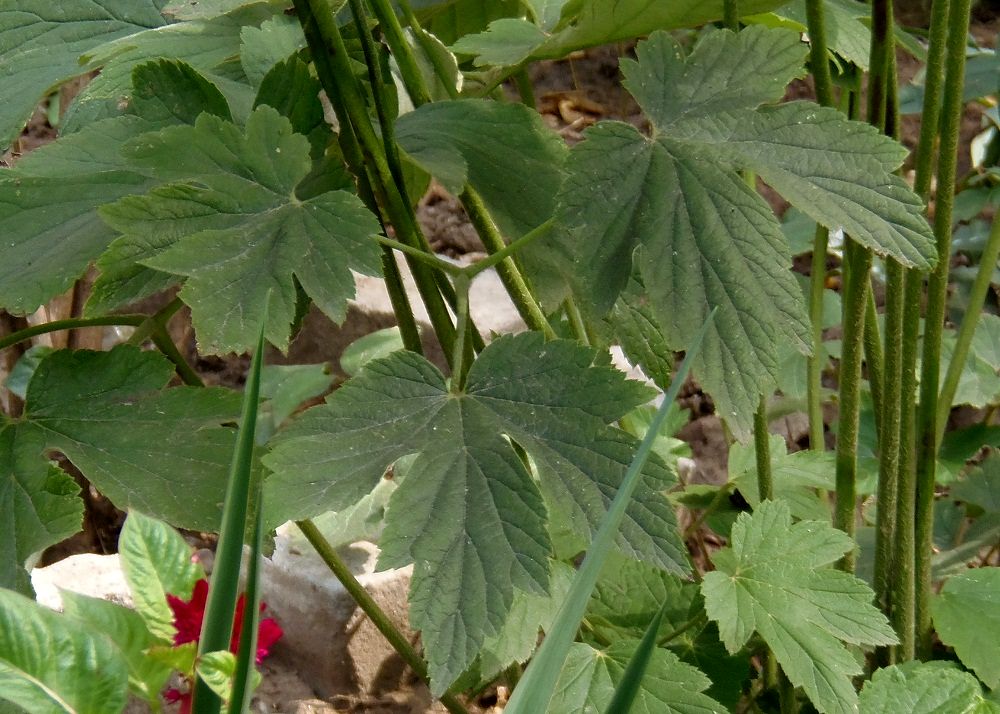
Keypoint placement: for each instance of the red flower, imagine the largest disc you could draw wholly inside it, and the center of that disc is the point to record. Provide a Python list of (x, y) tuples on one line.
[(175, 695), (188, 617), (189, 614)]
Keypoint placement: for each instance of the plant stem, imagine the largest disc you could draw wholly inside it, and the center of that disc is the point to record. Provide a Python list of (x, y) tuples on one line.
[(874, 359), (460, 365), (903, 583), (820, 66), (524, 88), (858, 263), (510, 276), (697, 621), (372, 609), (413, 79), (814, 364), (980, 287), (365, 152), (937, 293), (731, 14), (71, 324), (762, 449)]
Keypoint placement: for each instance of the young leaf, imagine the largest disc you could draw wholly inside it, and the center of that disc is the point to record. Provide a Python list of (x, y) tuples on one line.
[(772, 581), (42, 42), (967, 617), (39, 504), (51, 663), (924, 688), (235, 228), (675, 206), (469, 514), (590, 676), (156, 562), (163, 451), (128, 632)]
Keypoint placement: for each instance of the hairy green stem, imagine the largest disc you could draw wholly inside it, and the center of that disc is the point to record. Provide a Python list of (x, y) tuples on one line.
[(731, 14), (937, 293), (762, 449), (413, 79), (856, 286), (510, 276), (815, 362), (330, 57), (371, 608), (427, 44), (904, 558), (980, 287), (460, 365), (524, 88), (874, 359)]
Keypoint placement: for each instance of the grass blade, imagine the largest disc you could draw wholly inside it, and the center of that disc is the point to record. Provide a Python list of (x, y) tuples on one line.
[(535, 689), (628, 687), (217, 627)]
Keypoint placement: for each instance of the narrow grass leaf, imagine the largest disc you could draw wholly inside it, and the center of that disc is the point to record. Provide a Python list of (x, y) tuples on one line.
[(217, 627), (628, 687)]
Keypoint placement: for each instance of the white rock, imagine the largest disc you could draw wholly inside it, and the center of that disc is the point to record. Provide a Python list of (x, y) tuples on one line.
[(88, 574), (337, 649)]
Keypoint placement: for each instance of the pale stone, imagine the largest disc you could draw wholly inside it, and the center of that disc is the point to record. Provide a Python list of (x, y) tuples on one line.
[(98, 576), (337, 649)]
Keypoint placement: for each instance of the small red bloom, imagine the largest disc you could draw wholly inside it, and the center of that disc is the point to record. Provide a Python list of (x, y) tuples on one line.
[(188, 618), (175, 695), (189, 615)]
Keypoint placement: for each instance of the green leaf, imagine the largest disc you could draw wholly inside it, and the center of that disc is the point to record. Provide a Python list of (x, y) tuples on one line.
[(967, 617), (504, 151), (641, 335), (981, 487), (630, 593), (529, 613), (922, 688), (42, 41), (236, 230), (670, 686), (469, 514), (156, 562), (50, 663), (797, 477), (263, 47), (506, 42), (48, 202), (374, 345), (286, 387), (24, 369), (675, 206), (39, 504), (162, 451), (598, 22), (291, 88), (772, 581), (846, 33), (128, 631), (209, 46)]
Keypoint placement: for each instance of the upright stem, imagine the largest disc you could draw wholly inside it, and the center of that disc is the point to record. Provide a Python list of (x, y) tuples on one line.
[(904, 557), (820, 67), (367, 153), (762, 448), (371, 608), (937, 293), (858, 263), (416, 87), (731, 14), (874, 359), (510, 276)]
